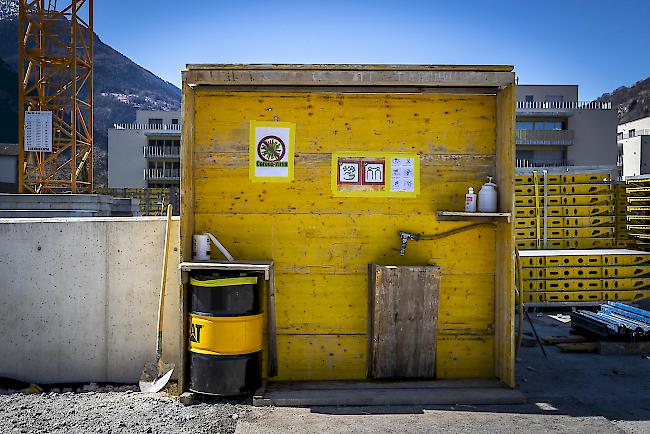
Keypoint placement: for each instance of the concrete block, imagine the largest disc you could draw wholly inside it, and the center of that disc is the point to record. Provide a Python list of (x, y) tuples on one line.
[(79, 298)]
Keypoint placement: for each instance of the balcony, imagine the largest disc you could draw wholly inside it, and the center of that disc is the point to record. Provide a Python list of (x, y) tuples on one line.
[(544, 163), (544, 137), (173, 152), (148, 127), (162, 174), (635, 133), (563, 105)]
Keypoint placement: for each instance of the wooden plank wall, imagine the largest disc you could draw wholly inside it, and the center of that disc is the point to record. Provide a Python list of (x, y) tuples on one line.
[(322, 245)]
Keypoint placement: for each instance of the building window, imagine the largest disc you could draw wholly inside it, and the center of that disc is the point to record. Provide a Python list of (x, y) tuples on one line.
[(540, 125), (619, 136), (548, 125), (631, 133), (524, 125), (174, 121), (554, 98), (530, 98), (155, 121)]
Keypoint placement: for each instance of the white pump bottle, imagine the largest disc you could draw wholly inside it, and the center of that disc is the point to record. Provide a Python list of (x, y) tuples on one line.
[(487, 197)]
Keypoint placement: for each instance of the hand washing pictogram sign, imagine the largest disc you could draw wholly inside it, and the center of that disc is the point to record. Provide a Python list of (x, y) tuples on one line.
[(359, 174)]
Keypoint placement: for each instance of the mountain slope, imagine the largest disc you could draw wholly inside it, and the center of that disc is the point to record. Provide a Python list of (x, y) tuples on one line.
[(8, 104), (120, 85), (632, 102)]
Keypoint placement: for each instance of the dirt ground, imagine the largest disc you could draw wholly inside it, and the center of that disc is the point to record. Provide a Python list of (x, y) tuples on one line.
[(567, 393)]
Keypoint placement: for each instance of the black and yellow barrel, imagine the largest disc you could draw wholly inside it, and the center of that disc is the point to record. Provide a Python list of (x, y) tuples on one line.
[(226, 330)]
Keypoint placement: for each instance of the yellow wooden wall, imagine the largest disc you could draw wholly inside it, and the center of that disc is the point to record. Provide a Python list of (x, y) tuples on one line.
[(322, 245)]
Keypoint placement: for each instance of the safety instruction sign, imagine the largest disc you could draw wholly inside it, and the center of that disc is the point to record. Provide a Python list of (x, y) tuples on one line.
[(371, 174), (38, 131), (271, 151), (402, 177)]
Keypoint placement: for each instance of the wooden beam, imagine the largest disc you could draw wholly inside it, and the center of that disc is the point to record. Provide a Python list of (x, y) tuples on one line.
[(350, 67), (187, 220), (487, 90), (459, 216), (273, 75), (504, 351)]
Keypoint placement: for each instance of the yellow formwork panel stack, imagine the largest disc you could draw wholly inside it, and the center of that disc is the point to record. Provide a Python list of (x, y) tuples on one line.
[(153, 201), (623, 239), (575, 276), (579, 210), (638, 210)]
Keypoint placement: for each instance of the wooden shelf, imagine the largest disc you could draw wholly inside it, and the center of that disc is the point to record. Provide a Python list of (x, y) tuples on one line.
[(474, 216)]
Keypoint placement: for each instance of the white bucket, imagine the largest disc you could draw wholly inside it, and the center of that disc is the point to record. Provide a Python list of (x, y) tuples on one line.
[(201, 247)]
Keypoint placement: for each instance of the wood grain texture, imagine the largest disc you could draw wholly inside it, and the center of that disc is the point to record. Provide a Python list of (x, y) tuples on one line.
[(427, 124), (465, 356), (321, 357), (404, 317), (345, 244)]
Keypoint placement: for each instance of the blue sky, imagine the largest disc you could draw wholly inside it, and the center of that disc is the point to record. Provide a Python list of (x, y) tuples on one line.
[(598, 44)]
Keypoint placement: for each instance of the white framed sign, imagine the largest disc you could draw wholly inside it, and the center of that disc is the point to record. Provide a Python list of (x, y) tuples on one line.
[(402, 177), (271, 151), (38, 131)]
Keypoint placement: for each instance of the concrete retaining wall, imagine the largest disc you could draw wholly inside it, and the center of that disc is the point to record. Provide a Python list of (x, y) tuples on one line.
[(79, 298), (66, 205)]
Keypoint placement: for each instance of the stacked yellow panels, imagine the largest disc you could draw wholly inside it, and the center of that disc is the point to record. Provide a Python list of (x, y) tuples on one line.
[(580, 211), (623, 240), (153, 201), (638, 210), (575, 276)]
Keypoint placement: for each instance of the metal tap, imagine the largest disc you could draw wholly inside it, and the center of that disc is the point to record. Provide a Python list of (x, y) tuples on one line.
[(405, 236)]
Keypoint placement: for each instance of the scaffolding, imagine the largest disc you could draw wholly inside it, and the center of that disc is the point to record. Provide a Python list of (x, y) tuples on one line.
[(56, 75)]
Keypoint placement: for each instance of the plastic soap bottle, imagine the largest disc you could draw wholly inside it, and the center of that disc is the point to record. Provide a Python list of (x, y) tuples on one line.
[(470, 201), (487, 197)]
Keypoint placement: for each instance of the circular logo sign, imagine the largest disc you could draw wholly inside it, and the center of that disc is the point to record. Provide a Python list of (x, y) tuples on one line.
[(271, 149)]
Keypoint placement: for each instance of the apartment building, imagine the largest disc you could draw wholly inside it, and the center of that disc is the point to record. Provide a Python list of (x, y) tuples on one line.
[(145, 154), (633, 142), (556, 129), (8, 168)]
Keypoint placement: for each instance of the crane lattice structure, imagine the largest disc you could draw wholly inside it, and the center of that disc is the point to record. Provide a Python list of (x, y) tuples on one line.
[(56, 74)]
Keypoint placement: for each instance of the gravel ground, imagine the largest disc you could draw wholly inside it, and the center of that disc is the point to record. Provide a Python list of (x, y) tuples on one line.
[(117, 411), (567, 393)]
